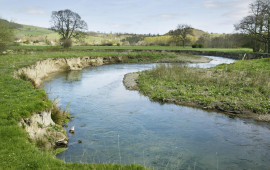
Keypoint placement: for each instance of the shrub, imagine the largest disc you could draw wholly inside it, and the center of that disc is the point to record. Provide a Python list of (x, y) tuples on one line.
[(67, 43), (197, 46), (200, 45), (26, 42), (194, 45)]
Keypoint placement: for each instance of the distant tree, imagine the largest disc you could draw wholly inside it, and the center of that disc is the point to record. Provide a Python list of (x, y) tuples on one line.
[(68, 25), (133, 39), (257, 24), (6, 34), (181, 33)]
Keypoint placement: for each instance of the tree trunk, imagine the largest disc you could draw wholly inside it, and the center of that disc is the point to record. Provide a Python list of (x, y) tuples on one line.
[(268, 38), (255, 44)]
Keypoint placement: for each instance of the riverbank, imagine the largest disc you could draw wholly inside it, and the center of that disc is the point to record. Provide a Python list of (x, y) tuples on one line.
[(241, 89), (234, 53), (20, 100)]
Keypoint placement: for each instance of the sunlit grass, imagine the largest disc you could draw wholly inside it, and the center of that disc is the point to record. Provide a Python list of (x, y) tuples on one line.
[(242, 87), (177, 48)]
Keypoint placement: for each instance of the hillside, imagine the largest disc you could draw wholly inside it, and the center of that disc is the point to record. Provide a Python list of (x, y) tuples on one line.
[(26, 34)]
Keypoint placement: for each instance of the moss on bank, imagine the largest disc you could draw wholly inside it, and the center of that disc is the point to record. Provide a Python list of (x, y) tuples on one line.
[(241, 88), (19, 99)]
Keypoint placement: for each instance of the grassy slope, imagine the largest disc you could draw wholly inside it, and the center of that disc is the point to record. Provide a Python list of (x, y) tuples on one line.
[(28, 30), (19, 99), (242, 87)]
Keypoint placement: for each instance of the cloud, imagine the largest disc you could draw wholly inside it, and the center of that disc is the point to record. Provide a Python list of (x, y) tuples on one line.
[(36, 12), (168, 15), (237, 10), (210, 4), (117, 25), (32, 10)]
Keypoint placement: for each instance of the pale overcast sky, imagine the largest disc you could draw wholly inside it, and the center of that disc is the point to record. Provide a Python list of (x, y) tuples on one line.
[(133, 16)]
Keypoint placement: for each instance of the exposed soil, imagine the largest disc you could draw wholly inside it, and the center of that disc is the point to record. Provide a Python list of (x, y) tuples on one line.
[(130, 81)]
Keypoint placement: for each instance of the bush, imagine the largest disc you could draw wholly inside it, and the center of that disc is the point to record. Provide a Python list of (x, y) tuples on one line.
[(67, 43), (200, 45), (26, 42), (197, 45), (194, 45)]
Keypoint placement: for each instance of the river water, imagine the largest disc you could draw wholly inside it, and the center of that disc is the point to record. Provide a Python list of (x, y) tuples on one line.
[(121, 126)]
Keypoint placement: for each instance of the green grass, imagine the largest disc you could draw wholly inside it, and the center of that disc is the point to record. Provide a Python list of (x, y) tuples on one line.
[(81, 48), (242, 87), (19, 99), (236, 50), (27, 30)]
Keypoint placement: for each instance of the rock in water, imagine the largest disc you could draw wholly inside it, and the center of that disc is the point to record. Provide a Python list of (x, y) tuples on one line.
[(72, 129), (61, 143)]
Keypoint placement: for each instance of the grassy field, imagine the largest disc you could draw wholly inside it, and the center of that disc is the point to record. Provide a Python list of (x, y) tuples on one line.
[(236, 50), (50, 48), (240, 88), (19, 99)]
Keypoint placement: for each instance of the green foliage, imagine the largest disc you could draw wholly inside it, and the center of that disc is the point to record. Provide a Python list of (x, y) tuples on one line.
[(6, 34), (40, 143), (58, 116), (40, 125), (67, 43), (133, 39), (26, 42), (197, 45)]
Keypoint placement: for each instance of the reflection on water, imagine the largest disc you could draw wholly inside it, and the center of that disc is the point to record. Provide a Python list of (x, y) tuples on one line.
[(121, 126)]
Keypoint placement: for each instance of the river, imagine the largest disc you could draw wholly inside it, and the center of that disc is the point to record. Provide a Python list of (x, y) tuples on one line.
[(116, 125)]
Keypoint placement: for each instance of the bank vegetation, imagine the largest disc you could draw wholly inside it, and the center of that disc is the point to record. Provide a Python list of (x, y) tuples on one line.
[(240, 89)]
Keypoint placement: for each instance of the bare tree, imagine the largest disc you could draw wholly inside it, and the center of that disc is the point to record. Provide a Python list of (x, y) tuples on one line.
[(68, 24), (181, 33), (266, 12), (257, 24)]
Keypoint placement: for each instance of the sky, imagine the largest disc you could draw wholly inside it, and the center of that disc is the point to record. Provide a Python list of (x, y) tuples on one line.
[(133, 16)]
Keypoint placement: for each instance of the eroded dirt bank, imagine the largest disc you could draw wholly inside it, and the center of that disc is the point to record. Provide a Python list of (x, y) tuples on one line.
[(37, 72)]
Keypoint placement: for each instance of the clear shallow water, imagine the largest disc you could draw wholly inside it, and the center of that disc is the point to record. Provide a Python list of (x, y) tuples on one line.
[(121, 126)]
